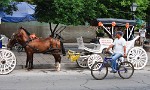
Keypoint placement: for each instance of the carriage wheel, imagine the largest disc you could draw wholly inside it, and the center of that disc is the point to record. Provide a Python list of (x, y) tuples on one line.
[(138, 57), (82, 62), (7, 61), (93, 58)]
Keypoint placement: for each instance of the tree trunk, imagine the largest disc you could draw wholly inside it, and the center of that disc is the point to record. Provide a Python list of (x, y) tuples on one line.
[(53, 30), (50, 27)]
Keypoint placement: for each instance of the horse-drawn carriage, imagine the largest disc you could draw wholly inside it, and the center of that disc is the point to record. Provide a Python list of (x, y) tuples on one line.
[(31, 46), (136, 55)]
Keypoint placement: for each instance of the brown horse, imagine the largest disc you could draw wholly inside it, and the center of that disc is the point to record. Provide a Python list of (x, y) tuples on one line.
[(37, 45)]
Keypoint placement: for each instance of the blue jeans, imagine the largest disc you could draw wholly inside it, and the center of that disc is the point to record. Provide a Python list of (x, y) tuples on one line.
[(115, 56)]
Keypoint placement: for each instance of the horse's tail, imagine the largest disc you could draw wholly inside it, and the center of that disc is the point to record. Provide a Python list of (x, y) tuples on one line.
[(62, 48)]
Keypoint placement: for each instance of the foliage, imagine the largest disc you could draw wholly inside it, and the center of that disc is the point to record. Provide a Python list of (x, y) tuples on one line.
[(121, 8), (59, 11), (7, 6), (68, 12), (75, 12), (141, 9), (100, 33), (148, 12), (89, 11)]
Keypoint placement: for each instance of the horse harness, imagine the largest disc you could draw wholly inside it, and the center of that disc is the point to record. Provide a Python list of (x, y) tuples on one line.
[(54, 45)]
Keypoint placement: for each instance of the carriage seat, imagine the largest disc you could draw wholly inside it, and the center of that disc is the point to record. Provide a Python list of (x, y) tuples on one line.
[(104, 43), (130, 44)]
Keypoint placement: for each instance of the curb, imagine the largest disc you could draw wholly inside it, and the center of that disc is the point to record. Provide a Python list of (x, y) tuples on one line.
[(49, 66), (70, 66)]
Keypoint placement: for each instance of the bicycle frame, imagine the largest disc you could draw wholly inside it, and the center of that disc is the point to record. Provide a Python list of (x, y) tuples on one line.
[(109, 59)]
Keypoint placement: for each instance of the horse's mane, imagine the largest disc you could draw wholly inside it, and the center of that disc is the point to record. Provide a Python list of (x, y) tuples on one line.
[(25, 30)]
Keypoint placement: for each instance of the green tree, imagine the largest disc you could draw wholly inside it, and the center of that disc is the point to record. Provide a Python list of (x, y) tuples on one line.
[(89, 11), (148, 13), (141, 9), (77, 12), (7, 7), (121, 8), (66, 12)]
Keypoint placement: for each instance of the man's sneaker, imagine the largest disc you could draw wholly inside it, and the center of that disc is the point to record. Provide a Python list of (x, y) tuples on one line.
[(113, 71)]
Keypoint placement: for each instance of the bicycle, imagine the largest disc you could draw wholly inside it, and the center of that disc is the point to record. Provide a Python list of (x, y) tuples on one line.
[(99, 70)]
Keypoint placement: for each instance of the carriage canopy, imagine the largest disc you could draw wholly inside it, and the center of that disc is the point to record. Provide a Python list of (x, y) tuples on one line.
[(112, 23)]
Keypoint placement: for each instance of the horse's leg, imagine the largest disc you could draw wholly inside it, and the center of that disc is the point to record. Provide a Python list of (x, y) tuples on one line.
[(62, 48), (27, 62), (57, 60), (30, 60)]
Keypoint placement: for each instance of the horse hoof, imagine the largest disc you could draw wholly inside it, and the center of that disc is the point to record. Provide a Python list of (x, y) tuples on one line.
[(29, 69), (57, 66), (58, 69), (64, 54), (32, 67)]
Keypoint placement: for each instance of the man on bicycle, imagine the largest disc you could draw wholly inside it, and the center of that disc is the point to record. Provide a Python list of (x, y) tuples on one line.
[(119, 48)]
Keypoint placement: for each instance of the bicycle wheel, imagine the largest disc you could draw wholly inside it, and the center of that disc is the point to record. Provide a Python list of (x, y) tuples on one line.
[(99, 71), (126, 70)]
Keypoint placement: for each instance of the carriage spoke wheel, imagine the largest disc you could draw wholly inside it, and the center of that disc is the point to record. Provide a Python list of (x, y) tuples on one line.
[(82, 62), (7, 61), (94, 58), (138, 57)]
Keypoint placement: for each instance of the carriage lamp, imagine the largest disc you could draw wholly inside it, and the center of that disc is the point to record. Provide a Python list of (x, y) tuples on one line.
[(133, 9), (113, 24), (100, 24)]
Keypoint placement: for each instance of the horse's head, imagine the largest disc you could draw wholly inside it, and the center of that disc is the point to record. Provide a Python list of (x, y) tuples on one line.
[(18, 37), (12, 41)]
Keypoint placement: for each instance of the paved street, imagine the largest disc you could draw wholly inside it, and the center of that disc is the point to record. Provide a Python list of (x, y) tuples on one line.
[(72, 79)]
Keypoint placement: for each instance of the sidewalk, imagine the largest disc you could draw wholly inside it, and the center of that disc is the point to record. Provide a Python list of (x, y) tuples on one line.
[(47, 61)]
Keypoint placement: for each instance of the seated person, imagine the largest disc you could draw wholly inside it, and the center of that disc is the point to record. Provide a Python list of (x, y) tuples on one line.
[(119, 49)]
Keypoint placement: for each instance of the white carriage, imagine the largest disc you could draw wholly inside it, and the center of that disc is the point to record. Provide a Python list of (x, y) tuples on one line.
[(136, 55), (7, 58)]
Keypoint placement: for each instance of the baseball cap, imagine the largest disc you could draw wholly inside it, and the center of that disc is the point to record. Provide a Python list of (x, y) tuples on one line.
[(119, 32)]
